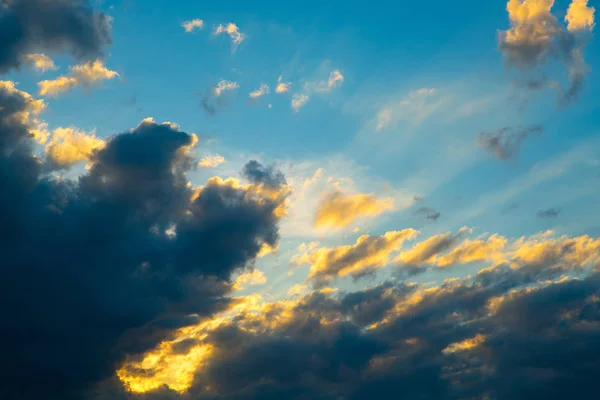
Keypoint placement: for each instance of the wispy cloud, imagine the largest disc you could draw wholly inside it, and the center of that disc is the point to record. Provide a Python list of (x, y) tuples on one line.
[(414, 108), (233, 31), (84, 75), (261, 91), (299, 100), (192, 25), (506, 142), (224, 86)]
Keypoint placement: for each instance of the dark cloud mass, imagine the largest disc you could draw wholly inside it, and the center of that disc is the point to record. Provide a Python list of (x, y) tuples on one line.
[(29, 26), (505, 143), (428, 213), (109, 265), (256, 173)]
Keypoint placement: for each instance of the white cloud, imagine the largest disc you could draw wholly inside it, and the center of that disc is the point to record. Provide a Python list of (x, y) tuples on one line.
[(336, 79), (299, 100), (223, 86), (192, 25), (233, 31), (264, 89)]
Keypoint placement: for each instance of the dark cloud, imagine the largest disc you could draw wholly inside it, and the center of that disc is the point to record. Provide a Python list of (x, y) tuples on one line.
[(464, 340), (550, 213), (112, 264), (428, 213), (30, 26), (212, 104), (505, 143), (256, 173)]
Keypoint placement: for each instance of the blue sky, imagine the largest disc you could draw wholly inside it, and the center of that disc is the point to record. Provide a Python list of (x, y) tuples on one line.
[(416, 115)]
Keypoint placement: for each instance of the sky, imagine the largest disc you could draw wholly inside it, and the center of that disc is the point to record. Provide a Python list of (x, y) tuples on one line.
[(274, 200)]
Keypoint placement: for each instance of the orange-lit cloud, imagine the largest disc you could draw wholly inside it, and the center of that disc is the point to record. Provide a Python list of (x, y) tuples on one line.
[(338, 210), (41, 62), (81, 75)]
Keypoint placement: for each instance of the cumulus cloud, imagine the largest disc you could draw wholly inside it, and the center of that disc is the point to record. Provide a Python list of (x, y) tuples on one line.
[(84, 75), (282, 87), (211, 161), (536, 35), (505, 143), (261, 91), (233, 32), (26, 26), (192, 25), (254, 277), (338, 209), (224, 86), (69, 146), (366, 255), (113, 263), (299, 100), (40, 62)]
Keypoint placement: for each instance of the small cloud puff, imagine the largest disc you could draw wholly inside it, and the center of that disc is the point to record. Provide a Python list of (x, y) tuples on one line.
[(233, 31), (223, 86), (81, 75), (191, 25), (211, 161)]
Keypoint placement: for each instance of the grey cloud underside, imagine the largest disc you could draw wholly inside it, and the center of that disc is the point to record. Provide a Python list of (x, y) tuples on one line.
[(30, 26), (541, 344), (428, 213), (506, 143)]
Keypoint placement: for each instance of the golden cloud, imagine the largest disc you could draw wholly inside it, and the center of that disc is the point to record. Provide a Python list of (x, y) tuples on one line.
[(81, 75), (338, 210)]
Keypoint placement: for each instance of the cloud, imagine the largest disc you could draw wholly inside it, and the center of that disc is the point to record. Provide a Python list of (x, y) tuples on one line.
[(224, 86), (338, 209), (84, 75), (535, 36), (299, 100), (579, 16), (40, 62), (264, 89), (69, 146), (71, 26), (465, 338), (282, 87), (336, 79), (255, 277), (211, 161), (426, 252), (368, 254), (414, 108), (505, 143), (192, 25), (428, 213), (233, 31), (257, 173), (111, 264), (551, 213)]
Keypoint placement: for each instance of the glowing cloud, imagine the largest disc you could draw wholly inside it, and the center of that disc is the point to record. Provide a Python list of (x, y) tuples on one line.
[(211, 161), (579, 16), (261, 91), (282, 87), (255, 277), (81, 75), (41, 62), (366, 255), (69, 146), (338, 210)]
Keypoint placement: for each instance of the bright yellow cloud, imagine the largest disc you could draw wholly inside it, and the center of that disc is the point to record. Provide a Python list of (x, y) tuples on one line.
[(261, 91), (338, 210), (254, 277), (465, 345), (81, 75), (368, 253), (579, 16), (69, 146), (211, 161), (191, 25), (491, 249)]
